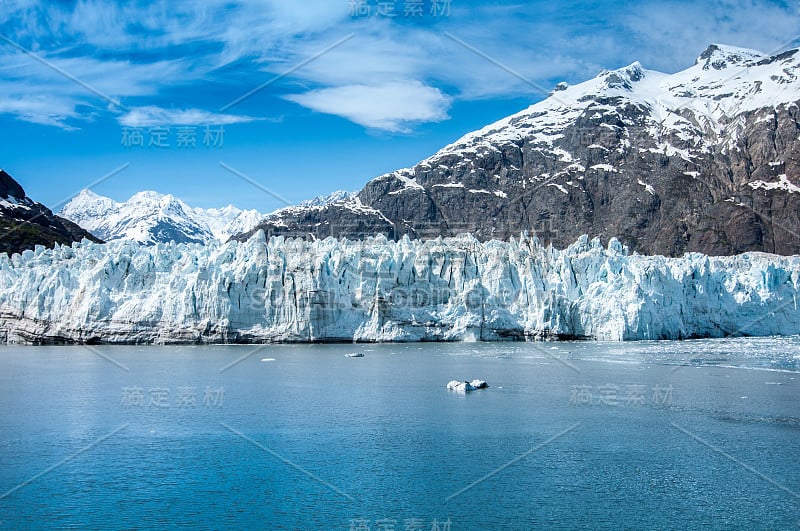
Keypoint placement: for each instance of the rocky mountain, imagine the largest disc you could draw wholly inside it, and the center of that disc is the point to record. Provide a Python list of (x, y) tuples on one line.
[(704, 160), (25, 223), (334, 197), (150, 218)]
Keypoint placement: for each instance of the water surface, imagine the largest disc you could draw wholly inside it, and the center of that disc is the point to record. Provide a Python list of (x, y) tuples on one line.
[(668, 435)]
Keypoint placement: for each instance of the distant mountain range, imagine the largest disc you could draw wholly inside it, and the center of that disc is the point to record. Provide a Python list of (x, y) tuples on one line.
[(707, 160), (25, 223), (150, 217), (147, 217)]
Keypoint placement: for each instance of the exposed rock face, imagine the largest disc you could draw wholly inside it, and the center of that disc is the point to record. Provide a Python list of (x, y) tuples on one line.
[(25, 223), (704, 160)]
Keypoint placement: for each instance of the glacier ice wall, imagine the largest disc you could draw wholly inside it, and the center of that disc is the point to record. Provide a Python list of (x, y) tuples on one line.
[(378, 290)]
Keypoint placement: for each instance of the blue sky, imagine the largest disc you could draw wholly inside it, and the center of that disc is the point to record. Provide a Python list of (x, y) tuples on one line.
[(336, 97)]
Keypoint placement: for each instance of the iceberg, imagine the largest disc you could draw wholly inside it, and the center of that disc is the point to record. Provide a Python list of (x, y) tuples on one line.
[(460, 387), (453, 289), (465, 386)]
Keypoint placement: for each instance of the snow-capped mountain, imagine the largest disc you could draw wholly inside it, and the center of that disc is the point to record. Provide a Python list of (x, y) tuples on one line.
[(24, 223), (227, 221), (706, 159), (324, 200), (149, 217), (380, 290), (358, 218)]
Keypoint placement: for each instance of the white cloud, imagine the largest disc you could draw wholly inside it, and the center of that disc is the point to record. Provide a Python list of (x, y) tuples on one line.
[(151, 116), (686, 28), (381, 78), (390, 106), (39, 109), (67, 90), (381, 53), (369, 57)]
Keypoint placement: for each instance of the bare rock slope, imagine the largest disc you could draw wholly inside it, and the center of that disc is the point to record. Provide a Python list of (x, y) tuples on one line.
[(703, 160), (25, 223)]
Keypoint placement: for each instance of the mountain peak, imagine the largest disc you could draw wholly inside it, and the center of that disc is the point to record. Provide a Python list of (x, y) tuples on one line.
[(87, 193), (323, 200), (151, 217), (9, 187), (27, 223), (720, 56), (681, 154), (623, 77), (147, 196)]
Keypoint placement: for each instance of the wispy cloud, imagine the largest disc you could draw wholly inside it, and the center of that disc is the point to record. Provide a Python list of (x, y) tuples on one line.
[(39, 109), (686, 28), (389, 106), (65, 91), (393, 74), (151, 116)]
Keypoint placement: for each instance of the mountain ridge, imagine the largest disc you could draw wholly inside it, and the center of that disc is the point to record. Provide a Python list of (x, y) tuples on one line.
[(702, 160), (149, 217), (24, 223)]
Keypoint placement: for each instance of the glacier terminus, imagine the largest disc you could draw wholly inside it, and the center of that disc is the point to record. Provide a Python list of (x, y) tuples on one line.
[(452, 289)]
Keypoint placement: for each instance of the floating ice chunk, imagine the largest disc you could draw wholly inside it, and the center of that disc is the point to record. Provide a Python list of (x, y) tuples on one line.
[(460, 387), (463, 387)]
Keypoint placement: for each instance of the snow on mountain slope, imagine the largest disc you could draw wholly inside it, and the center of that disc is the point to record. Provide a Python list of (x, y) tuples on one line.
[(322, 200), (235, 221), (724, 82), (702, 160), (149, 218), (376, 290), (12, 195), (307, 211)]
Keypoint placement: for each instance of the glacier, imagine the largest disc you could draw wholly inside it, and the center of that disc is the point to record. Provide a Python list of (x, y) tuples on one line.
[(453, 289)]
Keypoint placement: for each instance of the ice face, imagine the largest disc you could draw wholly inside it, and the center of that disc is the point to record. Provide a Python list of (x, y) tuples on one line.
[(378, 290)]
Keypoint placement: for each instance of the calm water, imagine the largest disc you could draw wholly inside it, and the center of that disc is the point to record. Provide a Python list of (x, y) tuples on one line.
[(657, 435)]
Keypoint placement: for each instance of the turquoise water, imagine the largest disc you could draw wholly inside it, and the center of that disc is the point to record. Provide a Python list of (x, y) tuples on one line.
[(661, 435)]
